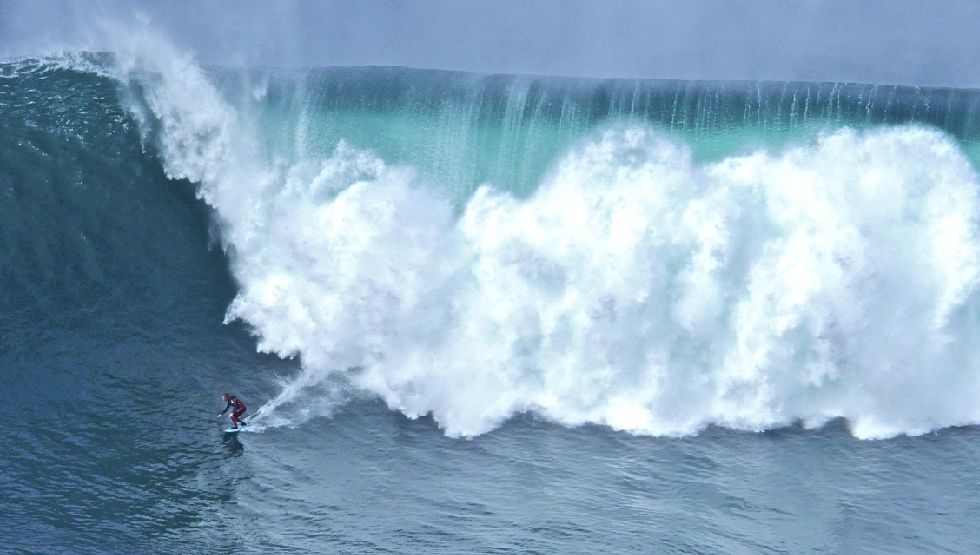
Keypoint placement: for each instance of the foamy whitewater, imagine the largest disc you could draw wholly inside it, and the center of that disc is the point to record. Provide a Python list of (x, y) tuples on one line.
[(635, 287), (667, 316)]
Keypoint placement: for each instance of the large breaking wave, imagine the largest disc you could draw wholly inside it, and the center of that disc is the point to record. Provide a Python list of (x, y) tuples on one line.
[(633, 284)]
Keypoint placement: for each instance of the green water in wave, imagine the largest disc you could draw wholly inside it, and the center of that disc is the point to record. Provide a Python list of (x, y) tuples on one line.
[(462, 130)]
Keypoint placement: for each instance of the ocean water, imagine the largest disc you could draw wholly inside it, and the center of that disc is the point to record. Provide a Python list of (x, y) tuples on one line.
[(483, 313)]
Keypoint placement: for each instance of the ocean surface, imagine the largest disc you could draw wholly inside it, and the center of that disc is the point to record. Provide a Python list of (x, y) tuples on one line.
[(483, 313)]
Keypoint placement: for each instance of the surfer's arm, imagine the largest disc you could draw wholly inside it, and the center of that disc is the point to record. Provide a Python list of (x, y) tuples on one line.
[(226, 409)]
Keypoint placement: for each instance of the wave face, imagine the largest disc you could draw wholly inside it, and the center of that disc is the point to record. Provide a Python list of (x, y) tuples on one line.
[(466, 130), (89, 224), (657, 257)]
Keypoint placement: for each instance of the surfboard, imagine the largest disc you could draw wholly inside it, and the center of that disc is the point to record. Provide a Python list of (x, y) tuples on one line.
[(242, 424)]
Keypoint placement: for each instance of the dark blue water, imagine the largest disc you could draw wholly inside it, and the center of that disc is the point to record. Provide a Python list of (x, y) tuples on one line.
[(113, 353)]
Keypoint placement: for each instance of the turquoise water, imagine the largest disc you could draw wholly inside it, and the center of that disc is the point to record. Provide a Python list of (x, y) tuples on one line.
[(466, 129), (471, 369)]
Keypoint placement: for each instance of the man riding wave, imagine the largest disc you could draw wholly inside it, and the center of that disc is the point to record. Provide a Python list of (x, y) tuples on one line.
[(239, 409)]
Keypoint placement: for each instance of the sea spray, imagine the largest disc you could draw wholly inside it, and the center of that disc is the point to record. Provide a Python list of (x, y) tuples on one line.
[(635, 287)]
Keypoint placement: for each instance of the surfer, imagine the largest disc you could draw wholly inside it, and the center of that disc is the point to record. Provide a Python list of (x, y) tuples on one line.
[(238, 410)]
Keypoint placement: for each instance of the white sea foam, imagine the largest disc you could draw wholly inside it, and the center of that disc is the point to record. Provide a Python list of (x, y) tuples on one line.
[(636, 288)]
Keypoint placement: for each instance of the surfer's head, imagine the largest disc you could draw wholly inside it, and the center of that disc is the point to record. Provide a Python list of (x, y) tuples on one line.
[(225, 396)]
